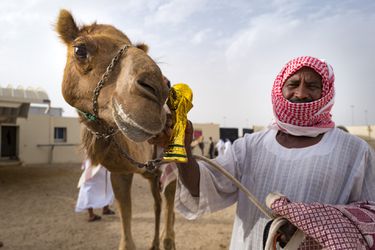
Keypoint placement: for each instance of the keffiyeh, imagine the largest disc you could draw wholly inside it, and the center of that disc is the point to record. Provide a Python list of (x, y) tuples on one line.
[(350, 226), (304, 119)]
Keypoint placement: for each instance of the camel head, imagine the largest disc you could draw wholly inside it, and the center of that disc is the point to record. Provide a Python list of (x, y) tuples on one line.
[(133, 93)]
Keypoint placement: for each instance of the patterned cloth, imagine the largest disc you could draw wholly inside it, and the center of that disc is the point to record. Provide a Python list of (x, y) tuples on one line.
[(289, 116), (332, 226)]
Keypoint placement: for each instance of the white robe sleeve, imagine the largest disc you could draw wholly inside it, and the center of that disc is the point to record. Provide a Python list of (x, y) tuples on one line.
[(368, 189), (360, 186), (216, 191)]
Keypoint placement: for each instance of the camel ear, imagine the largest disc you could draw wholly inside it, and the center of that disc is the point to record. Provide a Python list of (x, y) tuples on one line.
[(142, 46), (66, 27)]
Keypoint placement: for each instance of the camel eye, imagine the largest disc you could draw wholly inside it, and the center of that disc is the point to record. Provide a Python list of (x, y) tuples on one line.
[(80, 51)]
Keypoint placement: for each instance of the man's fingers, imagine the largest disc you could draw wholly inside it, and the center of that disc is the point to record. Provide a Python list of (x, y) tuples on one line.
[(189, 133), (189, 126)]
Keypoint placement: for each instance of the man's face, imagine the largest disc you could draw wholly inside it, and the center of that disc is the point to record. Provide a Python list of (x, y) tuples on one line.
[(304, 86)]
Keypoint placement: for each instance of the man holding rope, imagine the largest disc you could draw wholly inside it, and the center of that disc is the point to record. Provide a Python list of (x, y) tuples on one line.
[(301, 155)]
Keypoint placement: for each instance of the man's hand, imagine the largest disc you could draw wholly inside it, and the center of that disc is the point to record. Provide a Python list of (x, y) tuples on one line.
[(188, 136), (163, 138)]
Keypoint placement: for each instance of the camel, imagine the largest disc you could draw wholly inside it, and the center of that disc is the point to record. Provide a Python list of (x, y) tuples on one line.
[(119, 93)]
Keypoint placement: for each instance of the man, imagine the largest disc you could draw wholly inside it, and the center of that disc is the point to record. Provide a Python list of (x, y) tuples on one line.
[(302, 155), (220, 146), (227, 145), (201, 145), (211, 149)]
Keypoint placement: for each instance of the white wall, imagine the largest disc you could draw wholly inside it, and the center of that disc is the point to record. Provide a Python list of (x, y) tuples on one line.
[(208, 130), (39, 130)]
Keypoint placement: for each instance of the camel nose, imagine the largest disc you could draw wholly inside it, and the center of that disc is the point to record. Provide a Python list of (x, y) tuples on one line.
[(149, 88), (146, 86), (167, 82)]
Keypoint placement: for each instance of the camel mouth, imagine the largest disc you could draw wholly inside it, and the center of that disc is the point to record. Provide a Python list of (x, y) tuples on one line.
[(128, 126)]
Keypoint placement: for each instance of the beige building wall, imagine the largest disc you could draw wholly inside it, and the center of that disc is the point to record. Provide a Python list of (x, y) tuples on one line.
[(208, 130), (258, 128), (367, 133), (36, 142)]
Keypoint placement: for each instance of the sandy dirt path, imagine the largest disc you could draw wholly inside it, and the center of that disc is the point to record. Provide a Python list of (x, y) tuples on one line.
[(37, 212)]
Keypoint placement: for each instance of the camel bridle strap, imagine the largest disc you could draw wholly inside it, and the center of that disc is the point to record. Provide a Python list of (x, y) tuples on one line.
[(151, 165), (95, 108), (104, 78), (94, 117)]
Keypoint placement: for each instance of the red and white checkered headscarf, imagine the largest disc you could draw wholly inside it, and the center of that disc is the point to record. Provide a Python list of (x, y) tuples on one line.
[(304, 119)]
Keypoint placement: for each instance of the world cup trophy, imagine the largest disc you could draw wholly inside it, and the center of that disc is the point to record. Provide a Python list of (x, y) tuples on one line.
[(179, 102)]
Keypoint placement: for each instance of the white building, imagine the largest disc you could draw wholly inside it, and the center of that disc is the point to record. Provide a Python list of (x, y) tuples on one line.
[(33, 132)]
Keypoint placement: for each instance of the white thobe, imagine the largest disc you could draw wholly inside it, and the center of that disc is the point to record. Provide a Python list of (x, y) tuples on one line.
[(220, 145), (95, 188), (227, 146), (337, 170)]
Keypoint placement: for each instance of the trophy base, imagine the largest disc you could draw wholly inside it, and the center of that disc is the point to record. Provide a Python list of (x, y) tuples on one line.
[(175, 158), (175, 153)]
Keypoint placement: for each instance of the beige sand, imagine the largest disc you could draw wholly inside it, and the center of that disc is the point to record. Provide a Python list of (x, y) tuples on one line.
[(37, 212)]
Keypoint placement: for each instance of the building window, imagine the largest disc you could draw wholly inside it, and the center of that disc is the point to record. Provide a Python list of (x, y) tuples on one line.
[(60, 135)]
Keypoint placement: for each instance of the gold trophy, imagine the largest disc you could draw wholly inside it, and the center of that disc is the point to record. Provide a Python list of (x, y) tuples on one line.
[(179, 102)]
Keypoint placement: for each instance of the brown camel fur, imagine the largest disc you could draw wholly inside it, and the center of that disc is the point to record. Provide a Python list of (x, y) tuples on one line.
[(130, 101)]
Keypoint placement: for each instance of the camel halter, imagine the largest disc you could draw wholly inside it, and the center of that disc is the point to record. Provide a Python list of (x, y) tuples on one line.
[(94, 117)]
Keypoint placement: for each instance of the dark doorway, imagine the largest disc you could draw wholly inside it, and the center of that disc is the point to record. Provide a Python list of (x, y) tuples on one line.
[(247, 131), (9, 142), (229, 133)]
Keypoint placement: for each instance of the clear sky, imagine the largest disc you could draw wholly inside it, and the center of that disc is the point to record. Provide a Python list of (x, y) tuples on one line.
[(229, 52)]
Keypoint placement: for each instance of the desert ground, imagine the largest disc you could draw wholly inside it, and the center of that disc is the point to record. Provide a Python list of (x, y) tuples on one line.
[(37, 212)]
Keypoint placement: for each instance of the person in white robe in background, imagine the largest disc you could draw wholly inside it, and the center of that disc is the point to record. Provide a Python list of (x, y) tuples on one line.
[(95, 190), (227, 145), (220, 146)]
